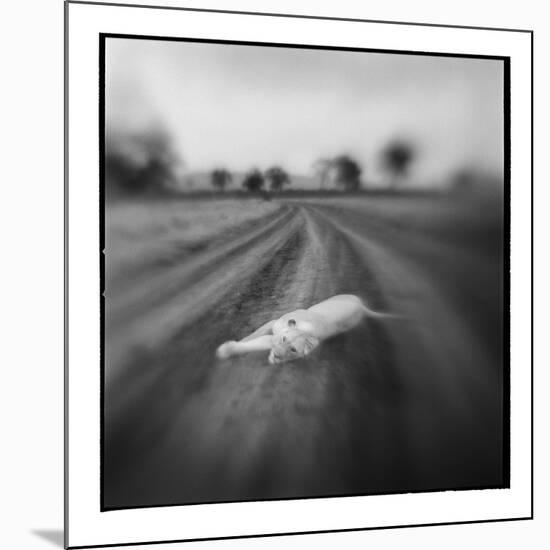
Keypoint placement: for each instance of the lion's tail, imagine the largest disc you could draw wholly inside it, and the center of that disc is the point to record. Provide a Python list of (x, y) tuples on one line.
[(379, 314)]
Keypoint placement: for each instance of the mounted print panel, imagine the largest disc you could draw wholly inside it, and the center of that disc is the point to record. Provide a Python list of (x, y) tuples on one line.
[(295, 300)]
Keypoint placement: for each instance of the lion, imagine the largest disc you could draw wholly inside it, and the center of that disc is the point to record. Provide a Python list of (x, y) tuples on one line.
[(298, 333)]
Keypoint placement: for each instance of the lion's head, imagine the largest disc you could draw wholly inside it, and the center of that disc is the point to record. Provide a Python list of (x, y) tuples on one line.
[(291, 344)]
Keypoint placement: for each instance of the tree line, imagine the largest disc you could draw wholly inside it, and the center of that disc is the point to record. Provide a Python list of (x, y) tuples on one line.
[(343, 171), (276, 178), (148, 162)]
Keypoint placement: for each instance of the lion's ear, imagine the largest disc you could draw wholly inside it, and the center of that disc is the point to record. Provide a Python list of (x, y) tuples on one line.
[(310, 343), (291, 323)]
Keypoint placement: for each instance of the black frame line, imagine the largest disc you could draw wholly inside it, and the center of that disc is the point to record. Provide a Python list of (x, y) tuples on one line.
[(532, 273), (507, 146), (286, 45), (66, 275), (102, 56), (506, 274), (506, 244)]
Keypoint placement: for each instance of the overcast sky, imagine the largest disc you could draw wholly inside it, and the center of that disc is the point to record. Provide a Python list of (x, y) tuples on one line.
[(245, 106)]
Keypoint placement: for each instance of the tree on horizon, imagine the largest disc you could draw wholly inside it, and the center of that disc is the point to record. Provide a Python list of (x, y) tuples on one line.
[(347, 172), (220, 178), (277, 178), (253, 181), (321, 168), (397, 157), (141, 162)]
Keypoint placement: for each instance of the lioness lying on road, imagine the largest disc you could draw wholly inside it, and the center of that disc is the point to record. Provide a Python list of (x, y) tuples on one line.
[(298, 333)]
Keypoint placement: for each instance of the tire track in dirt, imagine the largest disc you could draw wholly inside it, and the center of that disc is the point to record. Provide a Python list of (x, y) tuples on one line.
[(255, 430), (151, 310), (444, 361), (160, 377)]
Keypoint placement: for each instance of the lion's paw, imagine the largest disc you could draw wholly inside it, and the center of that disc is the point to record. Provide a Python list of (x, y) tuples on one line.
[(225, 350)]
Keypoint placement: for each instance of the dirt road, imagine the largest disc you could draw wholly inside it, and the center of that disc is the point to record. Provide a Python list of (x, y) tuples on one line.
[(394, 406)]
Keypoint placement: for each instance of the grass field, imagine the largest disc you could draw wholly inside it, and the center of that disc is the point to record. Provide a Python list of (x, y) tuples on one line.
[(138, 233)]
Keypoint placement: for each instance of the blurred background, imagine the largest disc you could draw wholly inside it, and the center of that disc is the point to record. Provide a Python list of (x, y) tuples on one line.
[(192, 108)]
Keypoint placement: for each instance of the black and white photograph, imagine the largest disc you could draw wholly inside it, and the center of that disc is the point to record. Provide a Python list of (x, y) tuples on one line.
[(271, 275), (305, 278)]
